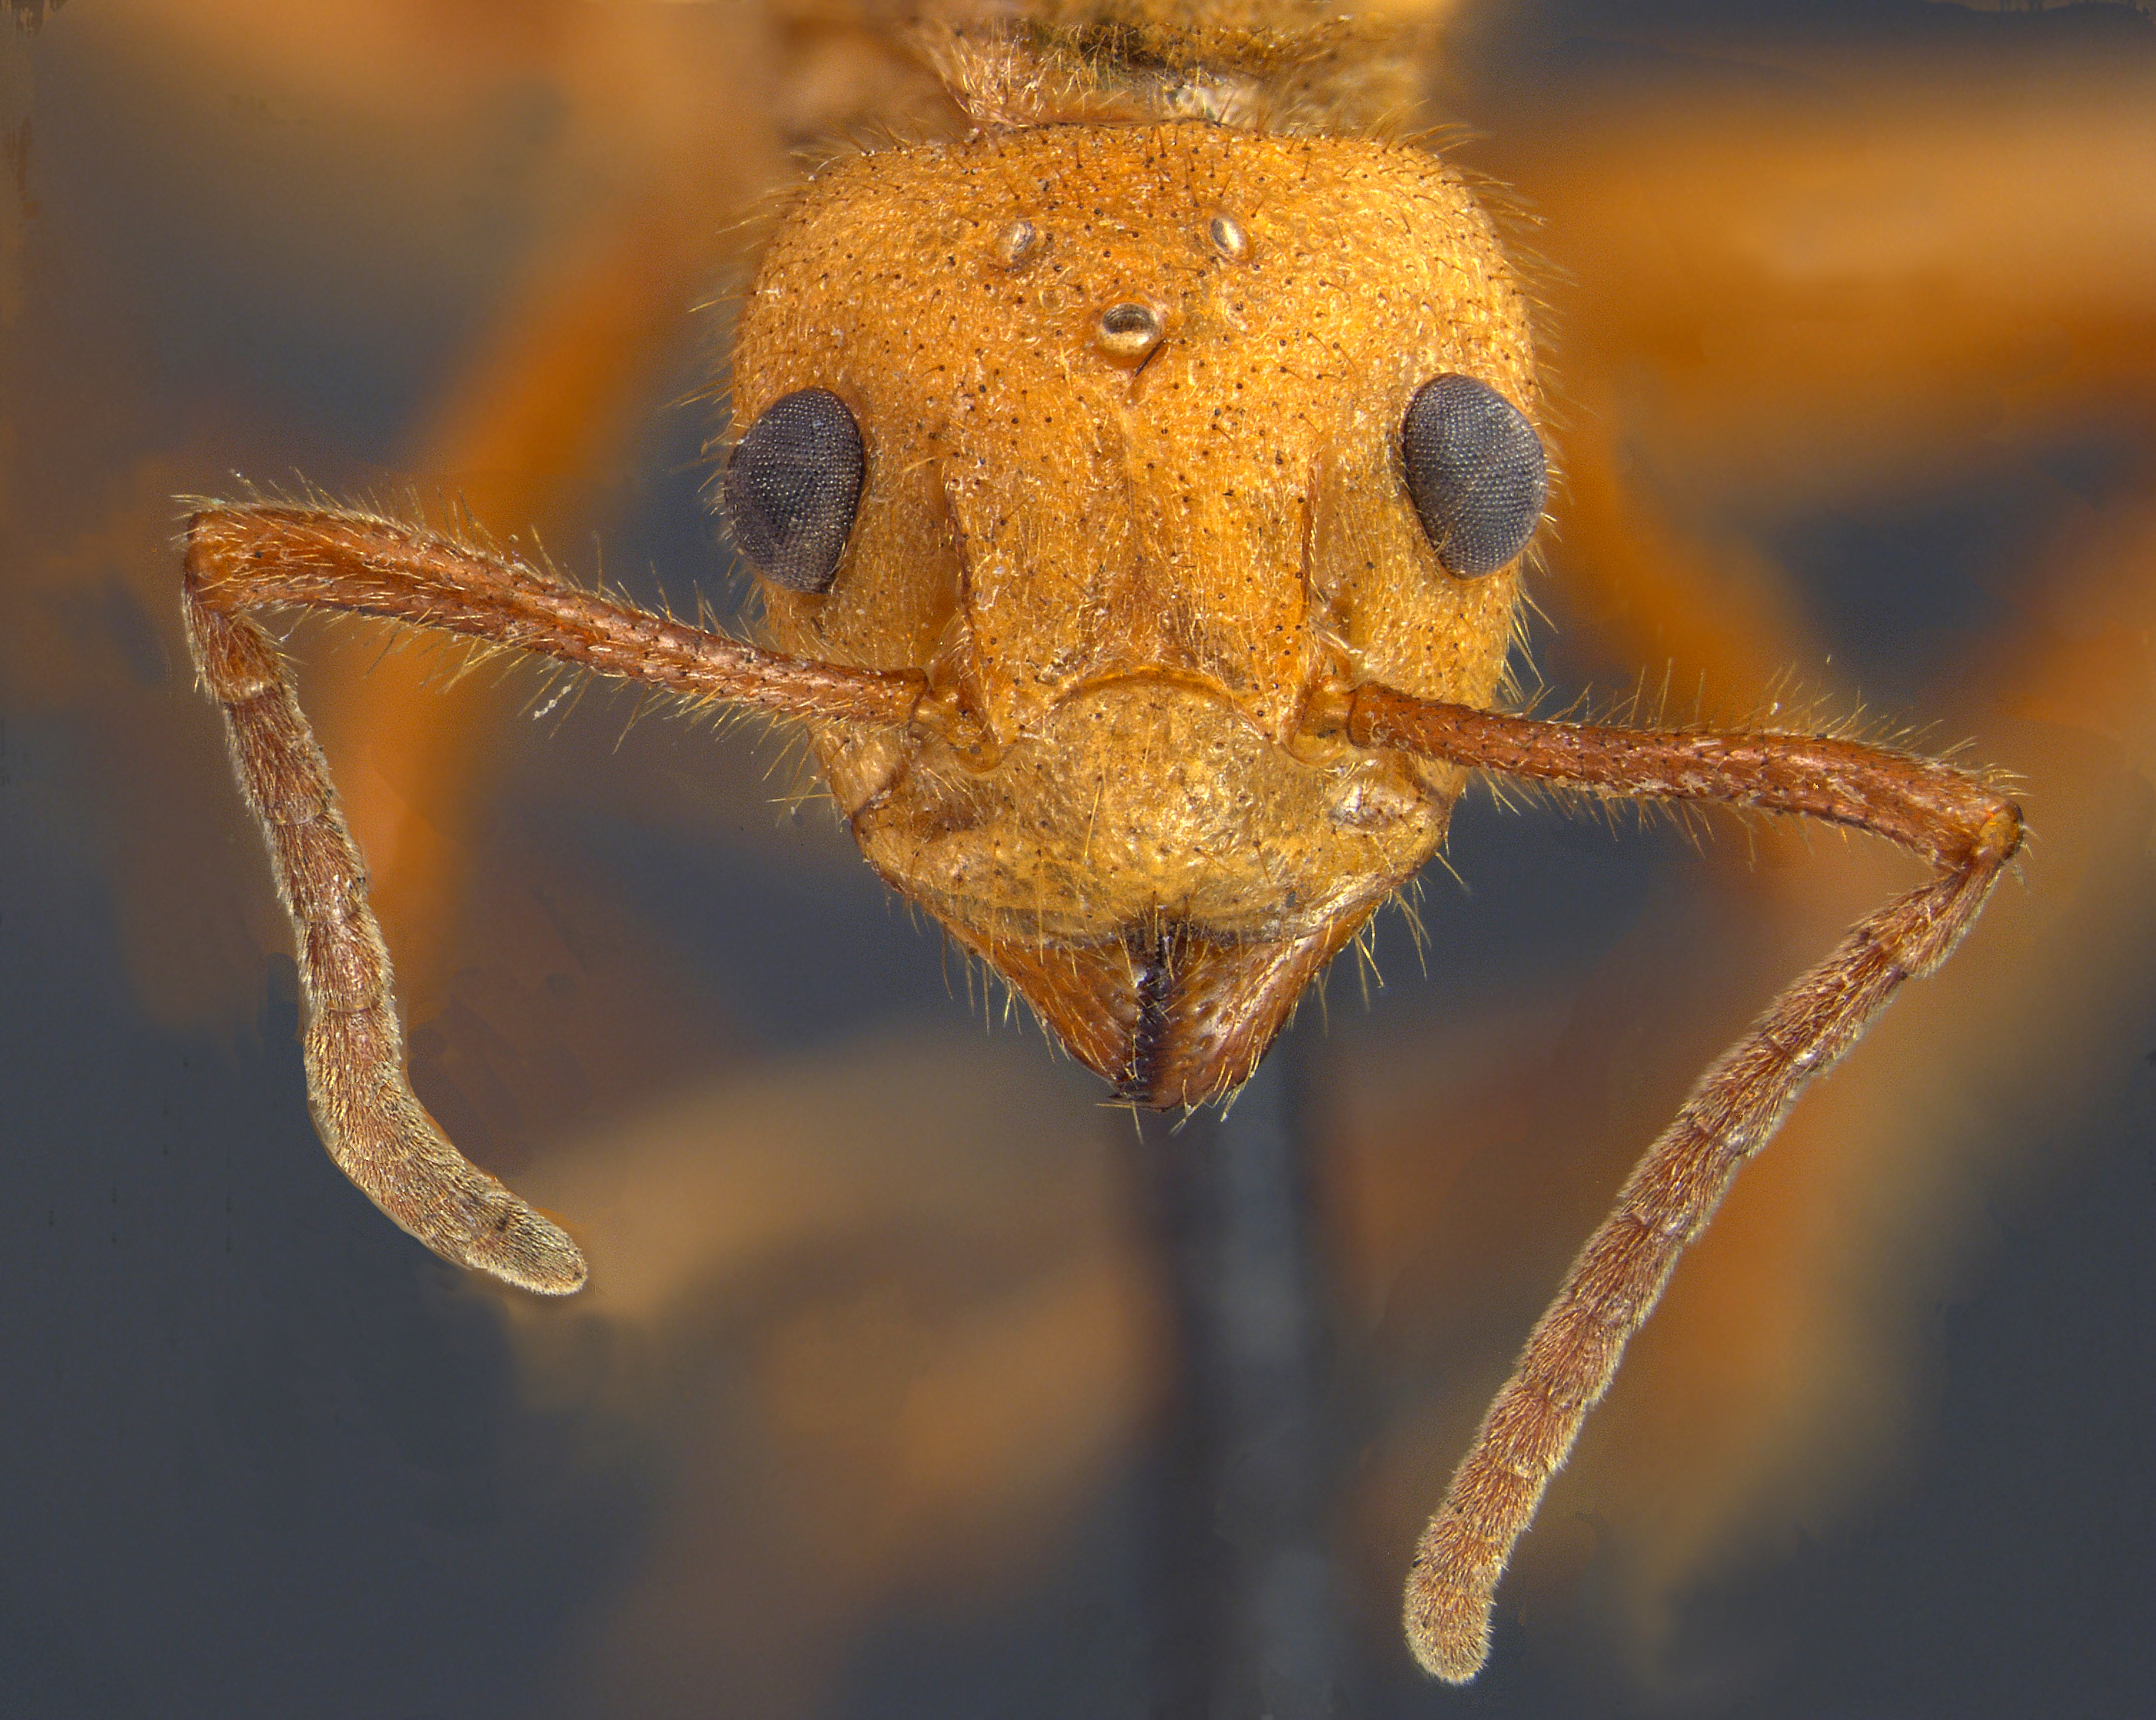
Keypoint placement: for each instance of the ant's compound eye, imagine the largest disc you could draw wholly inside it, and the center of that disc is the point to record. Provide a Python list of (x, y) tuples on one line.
[(1475, 472), (793, 486)]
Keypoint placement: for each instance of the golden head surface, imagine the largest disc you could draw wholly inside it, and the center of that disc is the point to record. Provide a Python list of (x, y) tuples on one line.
[(1130, 399)]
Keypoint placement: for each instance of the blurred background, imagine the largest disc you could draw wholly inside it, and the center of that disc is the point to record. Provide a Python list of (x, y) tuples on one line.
[(880, 1402)]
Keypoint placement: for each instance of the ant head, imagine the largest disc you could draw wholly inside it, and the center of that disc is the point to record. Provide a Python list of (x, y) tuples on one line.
[(1132, 437)]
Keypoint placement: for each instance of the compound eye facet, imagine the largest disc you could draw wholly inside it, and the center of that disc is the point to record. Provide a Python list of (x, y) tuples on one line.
[(793, 486), (1474, 470)]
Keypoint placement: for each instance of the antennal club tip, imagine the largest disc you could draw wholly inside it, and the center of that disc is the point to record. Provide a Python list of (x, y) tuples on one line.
[(1447, 1613), (1448, 1628), (525, 1249)]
